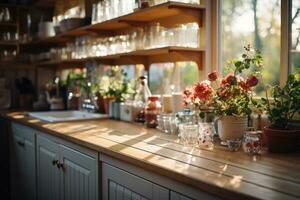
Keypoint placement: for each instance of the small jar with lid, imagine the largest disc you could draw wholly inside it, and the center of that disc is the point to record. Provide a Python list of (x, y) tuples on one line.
[(152, 109), (252, 142)]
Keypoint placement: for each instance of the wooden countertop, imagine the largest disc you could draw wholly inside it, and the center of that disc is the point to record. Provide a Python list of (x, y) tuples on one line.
[(230, 175)]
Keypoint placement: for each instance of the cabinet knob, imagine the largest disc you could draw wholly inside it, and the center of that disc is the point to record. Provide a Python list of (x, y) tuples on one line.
[(20, 143), (54, 162), (60, 165)]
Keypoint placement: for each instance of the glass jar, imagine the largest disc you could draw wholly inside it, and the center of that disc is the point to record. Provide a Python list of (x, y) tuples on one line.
[(252, 142), (188, 133), (152, 109), (186, 116), (206, 134)]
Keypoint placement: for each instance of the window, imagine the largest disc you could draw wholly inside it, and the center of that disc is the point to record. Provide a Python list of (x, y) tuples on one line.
[(295, 36), (256, 22), (165, 77)]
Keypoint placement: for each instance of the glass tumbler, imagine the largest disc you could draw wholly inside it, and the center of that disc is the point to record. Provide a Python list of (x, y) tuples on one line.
[(252, 142), (206, 134), (188, 133)]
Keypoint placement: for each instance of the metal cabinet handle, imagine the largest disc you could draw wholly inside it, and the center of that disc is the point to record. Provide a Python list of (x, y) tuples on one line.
[(54, 162), (20, 143), (60, 165)]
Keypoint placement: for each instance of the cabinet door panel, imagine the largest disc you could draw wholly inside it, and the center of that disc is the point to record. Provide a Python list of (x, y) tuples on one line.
[(48, 174), (177, 196), (120, 185), (79, 175), (119, 192), (23, 163)]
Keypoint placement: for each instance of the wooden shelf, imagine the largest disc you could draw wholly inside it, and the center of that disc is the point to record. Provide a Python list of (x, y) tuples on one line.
[(9, 43), (8, 24), (137, 18), (8, 65), (44, 3), (146, 57)]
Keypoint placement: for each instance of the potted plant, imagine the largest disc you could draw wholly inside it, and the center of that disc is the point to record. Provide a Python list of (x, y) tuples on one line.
[(114, 88), (281, 136), (231, 96)]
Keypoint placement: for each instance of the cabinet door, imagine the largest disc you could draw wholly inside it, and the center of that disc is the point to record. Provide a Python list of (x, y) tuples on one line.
[(80, 175), (23, 177), (48, 175), (177, 196), (121, 185)]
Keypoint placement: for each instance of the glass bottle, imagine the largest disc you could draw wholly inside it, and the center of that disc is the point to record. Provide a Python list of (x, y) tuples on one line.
[(143, 93), (152, 109)]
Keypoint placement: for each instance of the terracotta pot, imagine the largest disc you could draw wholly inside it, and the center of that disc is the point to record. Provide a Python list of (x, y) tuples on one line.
[(232, 127), (106, 104), (281, 141)]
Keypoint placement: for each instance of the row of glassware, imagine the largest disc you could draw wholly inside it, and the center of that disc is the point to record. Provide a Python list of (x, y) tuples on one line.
[(196, 132), (153, 36), (5, 15), (109, 9)]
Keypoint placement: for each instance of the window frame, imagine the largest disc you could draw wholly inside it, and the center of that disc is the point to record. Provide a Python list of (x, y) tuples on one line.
[(285, 38)]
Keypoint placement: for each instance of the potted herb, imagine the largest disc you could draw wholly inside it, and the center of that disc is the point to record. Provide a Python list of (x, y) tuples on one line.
[(281, 109)]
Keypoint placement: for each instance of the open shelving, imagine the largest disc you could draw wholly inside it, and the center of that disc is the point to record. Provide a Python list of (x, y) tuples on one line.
[(137, 18), (167, 14), (145, 57)]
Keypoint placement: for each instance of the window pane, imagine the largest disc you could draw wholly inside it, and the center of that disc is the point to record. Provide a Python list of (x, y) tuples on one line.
[(256, 22), (160, 76), (166, 77), (295, 38)]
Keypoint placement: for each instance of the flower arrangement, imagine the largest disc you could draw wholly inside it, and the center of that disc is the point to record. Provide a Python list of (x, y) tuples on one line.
[(114, 85), (232, 94)]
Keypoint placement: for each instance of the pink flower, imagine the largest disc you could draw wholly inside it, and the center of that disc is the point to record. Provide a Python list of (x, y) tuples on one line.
[(202, 91), (213, 76), (245, 86), (252, 81), (187, 96)]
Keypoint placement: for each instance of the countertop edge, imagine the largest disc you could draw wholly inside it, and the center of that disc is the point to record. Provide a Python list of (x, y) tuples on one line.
[(179, 177)]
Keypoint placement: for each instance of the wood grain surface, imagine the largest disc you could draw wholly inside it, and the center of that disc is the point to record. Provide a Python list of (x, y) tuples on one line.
[(231, 175)]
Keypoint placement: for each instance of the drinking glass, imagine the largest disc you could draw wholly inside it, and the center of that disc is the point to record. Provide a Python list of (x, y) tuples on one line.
[(206, 134), (188, 133)]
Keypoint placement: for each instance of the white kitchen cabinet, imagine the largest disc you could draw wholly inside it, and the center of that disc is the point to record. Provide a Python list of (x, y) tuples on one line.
[(65, 173), (121, 180), (48, 175), (177, 196), (120, 185), (22, 162), (79, 175)]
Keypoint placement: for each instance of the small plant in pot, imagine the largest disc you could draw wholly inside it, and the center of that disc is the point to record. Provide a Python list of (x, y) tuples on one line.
[(233, 98), (115, 88), (230, 96), (280, 136)]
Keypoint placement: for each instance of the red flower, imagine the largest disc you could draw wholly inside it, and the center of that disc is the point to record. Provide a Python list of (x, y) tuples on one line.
[(229, 79), (202, 91), (252, 81), (224, 93), (245, 86), (213, 76)]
